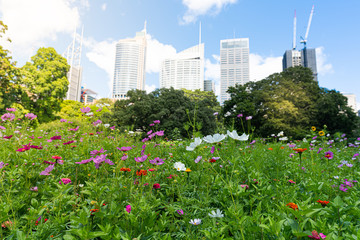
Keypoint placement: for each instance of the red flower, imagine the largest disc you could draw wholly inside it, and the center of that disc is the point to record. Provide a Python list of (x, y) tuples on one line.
[(94, 211), (293, 206), (141, 172), (156, 186), (323, 203), (299, 150), (212, 160)]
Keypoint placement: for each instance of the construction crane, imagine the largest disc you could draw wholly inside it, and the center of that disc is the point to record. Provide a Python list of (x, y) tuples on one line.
[(304, 40), (294, 38)]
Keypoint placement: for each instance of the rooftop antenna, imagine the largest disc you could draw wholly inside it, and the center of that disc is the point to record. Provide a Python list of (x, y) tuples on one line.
[(304, 40), (294, 33)]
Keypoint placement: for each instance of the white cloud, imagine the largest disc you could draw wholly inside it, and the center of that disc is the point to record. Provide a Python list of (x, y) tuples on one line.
[(149, 88), (196, 8), (323, 67), (261, 67), (103, 7), (212, 72), (156, 53), (32, 23)]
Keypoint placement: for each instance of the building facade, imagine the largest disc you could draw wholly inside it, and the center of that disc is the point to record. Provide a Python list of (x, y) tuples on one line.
[(209, 86), (305, 57), (234, 64), (351, 100), (184, 70), (130, 60)]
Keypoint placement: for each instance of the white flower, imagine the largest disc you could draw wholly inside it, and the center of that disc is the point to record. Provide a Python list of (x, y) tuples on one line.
[(313, 141), (216, 214), (179, 166), (215, 138), (304, 140), (195, 221), (194, 144), (273, 135), (336, 177), (89, 114), (235, 136), (106, 104), (227, 114), (283, 139), (280, 134), (106, 125), (81, 185)]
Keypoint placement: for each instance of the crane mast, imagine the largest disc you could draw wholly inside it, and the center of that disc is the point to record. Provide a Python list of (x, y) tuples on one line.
[(304, 40)]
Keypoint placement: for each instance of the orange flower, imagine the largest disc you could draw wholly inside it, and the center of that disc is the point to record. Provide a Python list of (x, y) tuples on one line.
[(94, 211), (282, 147), (125, 169), (141, 172), (293, 206), (323, 203), (299, 150), (270, 149)]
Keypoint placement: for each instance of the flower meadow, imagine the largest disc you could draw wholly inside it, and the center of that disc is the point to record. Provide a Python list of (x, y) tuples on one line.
[(96, 182)]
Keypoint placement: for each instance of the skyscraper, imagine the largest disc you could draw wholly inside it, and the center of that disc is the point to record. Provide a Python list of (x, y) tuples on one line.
[(305, 57), (234, 64), (184, 70), (129, 72)]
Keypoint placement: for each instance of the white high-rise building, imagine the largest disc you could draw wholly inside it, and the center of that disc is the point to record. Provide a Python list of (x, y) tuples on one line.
[(184, 70), (129, 72), (234, 64), (351, 100)]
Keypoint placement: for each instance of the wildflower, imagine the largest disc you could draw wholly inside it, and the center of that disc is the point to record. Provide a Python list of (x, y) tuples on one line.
[(85, 110), (157, 161), (244, 186), (180, 212), (292, 205), (94, 211), (47, 170), (300, 150), (6, 224), (151, 124), (34, 189), (56, 157), (74, 129), (156, 186), (141, 172), (291, 181), (179, 166), (188, 170), (323, 203), (124, 157), (227, 114), (217, 214), (63, 120), (125, 169), (2, 128), (198, 159), (65, 181), (195, 221), (283, 139), (128, 208), (124, 149), (313, 128), (97, 122), (215, 138), (30, 116), (239, 115), (212, 160), (248, 118), (95, 152), (316, 235), (141, 159), (2, 164), (215, 113), (156, 121), (8, 137), (11, 109), (8, 117), (193, 145), (336, 177), (321, 133), (55, 138), (235, 136), (329, 155), (69, 142)]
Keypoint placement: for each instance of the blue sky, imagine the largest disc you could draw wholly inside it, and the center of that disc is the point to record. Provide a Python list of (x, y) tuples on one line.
[(173, 25)]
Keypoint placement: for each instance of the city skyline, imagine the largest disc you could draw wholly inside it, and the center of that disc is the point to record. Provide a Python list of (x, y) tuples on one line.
[(269, 27)]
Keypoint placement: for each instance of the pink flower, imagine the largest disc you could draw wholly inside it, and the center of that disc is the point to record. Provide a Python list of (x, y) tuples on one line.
[(156, 186), (30, 116), (34, 189), (11, 109), (65, 181), (128, 208), (316, 235), (56, 157), (85, 109), (63, 120), (8, 117), (244, 186), (157, 121), (180, 212)]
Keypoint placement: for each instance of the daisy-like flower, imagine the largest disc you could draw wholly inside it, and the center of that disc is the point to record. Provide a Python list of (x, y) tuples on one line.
[(234, 135), (293, 206), (329, 155), (215, 138), (196, 221), (179, 166), (194, 144), (217, 214)]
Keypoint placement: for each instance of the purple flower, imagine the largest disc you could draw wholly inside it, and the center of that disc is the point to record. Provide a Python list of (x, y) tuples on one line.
[(8, 117), (141, 159), (55, 138), (160, 133), (85, 161), (97, 122), (63, 120), (180, 212), (112, 128), (212, 150), (124, 149), (128, 208), (145, 140), (329, 155), (11, 109), (355, 155), (99, 110), (95, 152), (101, 158), (2, 128), (34, 189), (198, 159), (2, 164), (240, 115), (216, 113), (47, 170), (157, 161), (149, 132), (30, 116), (85, 109), (124, 157), (156, 121), (74, 129), (320, 149), (248, 118)]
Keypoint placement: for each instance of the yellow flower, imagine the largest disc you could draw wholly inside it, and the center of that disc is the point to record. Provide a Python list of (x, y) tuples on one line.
[(89, 174), (188, 170), (93, 202), (321, 133), (313, 128)]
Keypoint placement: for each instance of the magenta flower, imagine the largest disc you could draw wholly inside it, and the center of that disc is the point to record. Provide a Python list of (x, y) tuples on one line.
[(151, 124), (8, 117), (160, 133), (74, 129), (55, 138), (316, 235), (128, 208), (244, 186), (239, 115), (124, 157), (156, 121), (157, 161), (124, 149), (156, 186), (329, 155), (69, 142), (97, 122), (7, 137), (11, 109), (212, 150), (99, 110), (65, 181), (112, 128), (95, 152), (63, 120), (85, 161), (141, 159), (34, 189), (30, 116), (2, 128), (100, 159), (180, 212), (85, 109)]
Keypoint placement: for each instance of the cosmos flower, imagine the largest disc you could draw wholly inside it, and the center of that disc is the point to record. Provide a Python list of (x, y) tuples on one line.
[(193, 145), (195, 221), (217, 214), (234, 135), (30, 116), (47, 170), (180, 212), (198, 159), (329, 155), (85, 110), (215, 138), (179, 166), (8, 117)]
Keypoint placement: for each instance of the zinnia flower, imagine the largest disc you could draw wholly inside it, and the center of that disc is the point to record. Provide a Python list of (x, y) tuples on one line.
[(128, 208), (329, 155), (65, 181), (292, 205), (156, 186), (323, 203), (316, 235)]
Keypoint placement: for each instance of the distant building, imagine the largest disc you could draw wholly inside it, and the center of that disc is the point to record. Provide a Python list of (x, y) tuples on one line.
[(234, 64), (184, 70), (129, 72), (305, 57), (88, 96), (74, 76), (351, 100), (209, 86)]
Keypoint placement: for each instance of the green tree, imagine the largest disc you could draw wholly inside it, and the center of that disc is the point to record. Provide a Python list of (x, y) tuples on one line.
[(10, 91), (334, 112), (46, 83), (70, 109)]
